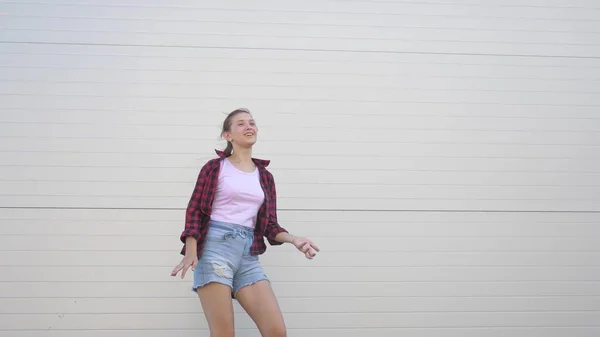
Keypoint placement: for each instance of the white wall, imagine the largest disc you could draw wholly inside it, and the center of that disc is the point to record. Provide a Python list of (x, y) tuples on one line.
[(445, 156)]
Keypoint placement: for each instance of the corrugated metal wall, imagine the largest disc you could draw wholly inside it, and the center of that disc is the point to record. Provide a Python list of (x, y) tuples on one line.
[(444, 155)]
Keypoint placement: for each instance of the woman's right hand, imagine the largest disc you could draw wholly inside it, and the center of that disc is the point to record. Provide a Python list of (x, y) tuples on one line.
[(187, 262)]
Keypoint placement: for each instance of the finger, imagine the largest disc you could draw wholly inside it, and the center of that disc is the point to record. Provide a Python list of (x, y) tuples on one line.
[(184, 272), (314, 246), (308, 252), (176, 269)]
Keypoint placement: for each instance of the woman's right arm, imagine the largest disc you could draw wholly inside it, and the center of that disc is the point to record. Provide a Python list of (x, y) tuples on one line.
[(193, 214), (193, 221)]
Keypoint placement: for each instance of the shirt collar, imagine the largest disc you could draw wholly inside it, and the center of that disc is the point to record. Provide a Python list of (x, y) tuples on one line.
[(258, 162)]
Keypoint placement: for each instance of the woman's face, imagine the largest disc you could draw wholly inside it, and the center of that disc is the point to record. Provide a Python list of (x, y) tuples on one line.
[(242, 131)]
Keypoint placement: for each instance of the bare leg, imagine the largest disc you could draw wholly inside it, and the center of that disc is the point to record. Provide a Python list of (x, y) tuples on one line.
[(260, 303), (217, 305)]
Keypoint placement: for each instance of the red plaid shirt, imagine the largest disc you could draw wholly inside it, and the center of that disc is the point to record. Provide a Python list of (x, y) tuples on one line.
[(200, 206)]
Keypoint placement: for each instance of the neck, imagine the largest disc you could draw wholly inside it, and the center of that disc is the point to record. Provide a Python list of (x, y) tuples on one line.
[(241, 155)]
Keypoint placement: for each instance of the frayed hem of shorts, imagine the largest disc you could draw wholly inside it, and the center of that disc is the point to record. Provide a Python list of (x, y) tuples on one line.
[(196, 287), (249, 284)]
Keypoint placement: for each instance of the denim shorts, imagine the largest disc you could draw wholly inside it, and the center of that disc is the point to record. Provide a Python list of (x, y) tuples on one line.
[(226, 258)]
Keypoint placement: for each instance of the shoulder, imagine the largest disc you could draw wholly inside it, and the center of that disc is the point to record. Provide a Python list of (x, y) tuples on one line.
[(267, 175), (210, 165)]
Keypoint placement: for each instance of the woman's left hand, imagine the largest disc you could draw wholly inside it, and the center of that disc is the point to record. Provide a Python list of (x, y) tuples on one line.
[(306, 246)]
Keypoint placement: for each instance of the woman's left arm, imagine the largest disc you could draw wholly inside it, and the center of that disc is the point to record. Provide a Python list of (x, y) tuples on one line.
[(304, 245), (276, 235)]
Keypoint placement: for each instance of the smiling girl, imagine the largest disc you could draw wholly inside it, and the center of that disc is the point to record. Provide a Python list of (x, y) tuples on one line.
[(233, 208)]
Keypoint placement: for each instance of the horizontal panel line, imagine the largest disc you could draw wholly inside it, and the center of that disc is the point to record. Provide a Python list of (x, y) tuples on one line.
[(446, 237), (453, 115), (302, 86), (311, 155), (444, 3), (324, 297), (429, 2), (582, 186), (338, 198), (308, 11), (476, 4), (50, 221), (321, 297), (317, 209), (327, 282), (315, 238), (318, 267), (342, 328), (349, 221), (303, 59), (250, 71), (370, 170), (300, 49), (291, 98), (301, 24), (316, 127), (86, 266), (319, 237), (315, 37), (125, 313), (167, 139)]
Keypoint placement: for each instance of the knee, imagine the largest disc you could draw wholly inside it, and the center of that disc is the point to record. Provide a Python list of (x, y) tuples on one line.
[(278, 330), (222, 332), (221, 327)]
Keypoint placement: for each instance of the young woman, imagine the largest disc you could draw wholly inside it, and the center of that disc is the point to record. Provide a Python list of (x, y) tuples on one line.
[(232, 209)]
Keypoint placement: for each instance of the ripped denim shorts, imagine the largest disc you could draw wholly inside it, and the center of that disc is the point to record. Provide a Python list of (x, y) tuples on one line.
[(226, 258)]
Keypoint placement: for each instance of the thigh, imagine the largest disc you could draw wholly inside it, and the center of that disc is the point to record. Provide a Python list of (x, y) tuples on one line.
[(220, 260), (259, 301), (249, 272), (217, 305)]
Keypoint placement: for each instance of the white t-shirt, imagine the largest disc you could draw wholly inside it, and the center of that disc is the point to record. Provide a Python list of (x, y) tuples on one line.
[(239, 196)]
